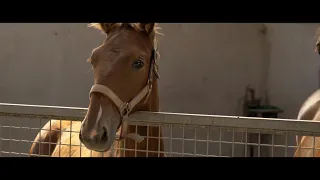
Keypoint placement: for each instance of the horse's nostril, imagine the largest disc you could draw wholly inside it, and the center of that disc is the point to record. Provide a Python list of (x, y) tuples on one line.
[(104, 136)]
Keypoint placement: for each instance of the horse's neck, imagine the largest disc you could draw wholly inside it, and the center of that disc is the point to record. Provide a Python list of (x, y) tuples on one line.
[(153, 142)]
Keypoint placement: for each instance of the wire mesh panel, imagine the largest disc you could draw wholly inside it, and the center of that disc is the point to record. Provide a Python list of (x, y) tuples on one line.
[(183, 135), (20, 124), (229, 136)]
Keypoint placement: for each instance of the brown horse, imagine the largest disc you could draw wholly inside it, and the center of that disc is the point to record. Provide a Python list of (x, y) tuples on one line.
[(310, 110), (125, 69)]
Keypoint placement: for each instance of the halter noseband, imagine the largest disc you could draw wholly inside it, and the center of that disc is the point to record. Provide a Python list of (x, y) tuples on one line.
[(125, 108)]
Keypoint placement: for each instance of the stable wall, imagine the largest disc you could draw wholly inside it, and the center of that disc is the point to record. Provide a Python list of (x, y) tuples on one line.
[(294, 65)]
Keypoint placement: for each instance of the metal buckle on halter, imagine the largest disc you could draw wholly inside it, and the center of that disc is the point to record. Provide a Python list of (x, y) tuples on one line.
[(125, 110), (149, 84)]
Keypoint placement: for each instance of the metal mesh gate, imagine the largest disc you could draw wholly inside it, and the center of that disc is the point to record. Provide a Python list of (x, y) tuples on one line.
[(184, 135)]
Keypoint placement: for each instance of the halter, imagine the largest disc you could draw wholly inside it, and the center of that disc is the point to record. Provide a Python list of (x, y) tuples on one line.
[(126, 107)]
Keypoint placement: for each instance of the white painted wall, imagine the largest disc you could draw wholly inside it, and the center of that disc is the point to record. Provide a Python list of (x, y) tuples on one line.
[(46, 63), (294, 66), (206, 67)]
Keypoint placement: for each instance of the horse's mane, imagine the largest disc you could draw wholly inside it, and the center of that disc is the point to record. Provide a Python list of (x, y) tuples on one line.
[(135, 26)]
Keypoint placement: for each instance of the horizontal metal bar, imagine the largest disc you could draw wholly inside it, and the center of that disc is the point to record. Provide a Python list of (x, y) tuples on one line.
[(228, 121), (171, 118), (40, 110)]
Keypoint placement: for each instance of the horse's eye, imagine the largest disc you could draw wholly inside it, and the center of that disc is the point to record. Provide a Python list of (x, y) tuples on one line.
[(138, 64)]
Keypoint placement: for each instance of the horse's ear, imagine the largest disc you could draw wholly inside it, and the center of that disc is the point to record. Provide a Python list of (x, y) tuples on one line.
[(318, 42), (318, 46), (105, 27), (148, 27)]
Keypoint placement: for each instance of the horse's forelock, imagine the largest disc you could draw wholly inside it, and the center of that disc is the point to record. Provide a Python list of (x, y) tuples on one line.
[(136, 26)]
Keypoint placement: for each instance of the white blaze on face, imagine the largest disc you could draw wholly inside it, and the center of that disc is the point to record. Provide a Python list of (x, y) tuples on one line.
[(109, 119), (111, 122), (94, 132), (99, 113)]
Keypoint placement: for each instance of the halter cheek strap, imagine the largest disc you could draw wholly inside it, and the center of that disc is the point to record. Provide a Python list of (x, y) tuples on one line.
[(125, 108)]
